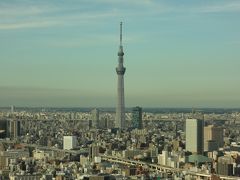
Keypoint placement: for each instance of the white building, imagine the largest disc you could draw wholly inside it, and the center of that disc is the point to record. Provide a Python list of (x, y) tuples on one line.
[(163, 158), (194, 135), (69, 142)]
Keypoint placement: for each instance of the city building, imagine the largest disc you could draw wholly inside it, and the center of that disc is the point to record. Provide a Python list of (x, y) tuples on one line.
[(120, 111), (194, 135), (163, 158), (213, 138), (69, 142), (112, 151), (93, 151), (225, 165), (13, 176), (11, 156), (12, 109), (95, 118), (3, 129), (10, 128), (14, 128), (137, 117)]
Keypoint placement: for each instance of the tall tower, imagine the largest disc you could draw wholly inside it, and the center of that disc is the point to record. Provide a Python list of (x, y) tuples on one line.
[(95, 118), (120, 69), (194, 135)]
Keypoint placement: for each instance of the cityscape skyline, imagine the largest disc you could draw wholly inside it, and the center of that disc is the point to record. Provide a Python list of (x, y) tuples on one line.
[(178, 54)]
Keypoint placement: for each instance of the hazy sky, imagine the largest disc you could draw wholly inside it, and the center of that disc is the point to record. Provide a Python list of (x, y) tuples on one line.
[(64, 53)]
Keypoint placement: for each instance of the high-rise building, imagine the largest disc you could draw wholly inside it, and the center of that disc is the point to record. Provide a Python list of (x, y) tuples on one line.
[(194, 135), (14, 128), (95, 118), (10, 128), (137, 117), (93, 151), (12, 109), (69, 142), (120, 111), (3, 128), (213, 137)]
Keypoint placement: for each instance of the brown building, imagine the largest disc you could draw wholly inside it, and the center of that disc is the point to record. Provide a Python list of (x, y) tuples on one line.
[(213, 138)]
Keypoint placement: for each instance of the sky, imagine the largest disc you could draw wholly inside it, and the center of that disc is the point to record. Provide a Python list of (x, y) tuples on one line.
[(62, 53)]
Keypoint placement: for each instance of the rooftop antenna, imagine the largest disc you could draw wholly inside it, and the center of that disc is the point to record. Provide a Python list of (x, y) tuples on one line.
[(120, 33)]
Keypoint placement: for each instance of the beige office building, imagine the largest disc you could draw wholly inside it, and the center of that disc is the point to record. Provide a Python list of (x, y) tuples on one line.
[(213, 138)]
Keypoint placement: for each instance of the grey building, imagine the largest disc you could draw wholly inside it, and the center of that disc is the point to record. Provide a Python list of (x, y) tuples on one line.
[(137, 117), (225, 165), (14, 128), (3, 129), (10, 128), (95, 118), (93, 151), (12, 109)]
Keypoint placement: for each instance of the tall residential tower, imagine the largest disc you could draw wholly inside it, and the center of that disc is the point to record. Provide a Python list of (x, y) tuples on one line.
[(120, 69)]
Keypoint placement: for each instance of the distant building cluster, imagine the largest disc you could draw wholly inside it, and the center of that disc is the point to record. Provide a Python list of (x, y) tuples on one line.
[(51, 144)]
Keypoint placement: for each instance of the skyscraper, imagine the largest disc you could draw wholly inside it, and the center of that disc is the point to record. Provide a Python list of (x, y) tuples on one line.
[(3, 128), (10, 128), (213, 135), (194, 135), (14, 128), (120, 69), (137, 117), (93, 151), (95, 118), (12, 109)]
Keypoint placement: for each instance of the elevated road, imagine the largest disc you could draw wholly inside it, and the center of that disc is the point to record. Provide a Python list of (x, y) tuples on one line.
[(162, 168), (129, 162)]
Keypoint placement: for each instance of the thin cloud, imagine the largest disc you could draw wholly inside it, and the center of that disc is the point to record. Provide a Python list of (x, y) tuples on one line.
[(35, 17), (31, 14), (230, 6), (48, 22), (32, 24), (25, 15), (25, 10), (40, 15)]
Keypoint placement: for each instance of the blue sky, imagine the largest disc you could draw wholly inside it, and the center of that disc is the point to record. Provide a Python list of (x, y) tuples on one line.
[(64, 53)]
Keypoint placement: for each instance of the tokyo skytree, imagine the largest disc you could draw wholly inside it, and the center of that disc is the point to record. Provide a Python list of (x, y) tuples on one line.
[(120, 69)]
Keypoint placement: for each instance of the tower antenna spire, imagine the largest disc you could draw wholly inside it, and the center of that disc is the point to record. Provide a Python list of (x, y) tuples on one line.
[(120, 33), (120, 69)]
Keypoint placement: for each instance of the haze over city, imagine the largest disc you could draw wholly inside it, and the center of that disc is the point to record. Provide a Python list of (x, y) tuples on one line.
[(64, 53)]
